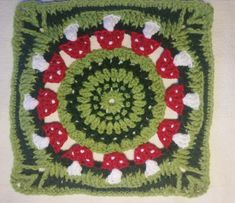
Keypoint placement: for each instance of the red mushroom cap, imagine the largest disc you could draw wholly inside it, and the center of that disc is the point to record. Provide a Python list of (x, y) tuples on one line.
[(48, 103), (174, 98), (114, 160), (165, 66), (144, 152), (56, 71), (110, 40), (57, 134), (142, 45), (166, 129), (81, 154), (77, 49)]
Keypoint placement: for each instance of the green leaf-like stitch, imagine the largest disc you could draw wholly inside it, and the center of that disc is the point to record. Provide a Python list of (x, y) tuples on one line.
[(186, 36)]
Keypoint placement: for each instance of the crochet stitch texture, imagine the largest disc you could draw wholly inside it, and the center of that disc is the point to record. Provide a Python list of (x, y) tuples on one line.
[(112, 97)]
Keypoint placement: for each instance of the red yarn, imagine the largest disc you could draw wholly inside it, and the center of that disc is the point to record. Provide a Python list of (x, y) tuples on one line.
[(174, 98), (56, 71), (48, 103), (165, 66), (114, 160), (110, 40), (57, 134), (81, 154), (142, 45), (166, 129), (77, 49), (144, 152)]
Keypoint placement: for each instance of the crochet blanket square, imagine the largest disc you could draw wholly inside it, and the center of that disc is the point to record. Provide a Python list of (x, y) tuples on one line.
[(112, 97)]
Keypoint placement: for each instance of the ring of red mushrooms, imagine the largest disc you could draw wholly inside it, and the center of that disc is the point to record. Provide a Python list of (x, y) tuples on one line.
[(46, 102)]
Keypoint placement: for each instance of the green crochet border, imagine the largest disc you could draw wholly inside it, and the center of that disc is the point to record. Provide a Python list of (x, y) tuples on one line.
[(162, 182), (123, 54)]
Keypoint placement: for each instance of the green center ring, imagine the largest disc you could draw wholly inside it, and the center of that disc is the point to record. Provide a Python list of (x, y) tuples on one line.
[(111, 100), (105, 99)]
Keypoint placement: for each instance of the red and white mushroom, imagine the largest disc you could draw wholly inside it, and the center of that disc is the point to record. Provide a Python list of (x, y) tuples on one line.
[(77, 49), (142, 45), (48, 103), (56, 70), (55, 135), (168, 131), (146, 154), (165, 66), (176, 99), (114, 162), (109, 38), (81, 156)]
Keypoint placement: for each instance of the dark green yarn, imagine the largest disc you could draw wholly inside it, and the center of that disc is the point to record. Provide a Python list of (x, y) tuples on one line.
[(72, 108), (133, 130), (163, 190)]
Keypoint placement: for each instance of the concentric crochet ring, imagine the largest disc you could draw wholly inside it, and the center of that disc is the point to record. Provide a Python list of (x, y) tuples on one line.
[(105, 106)]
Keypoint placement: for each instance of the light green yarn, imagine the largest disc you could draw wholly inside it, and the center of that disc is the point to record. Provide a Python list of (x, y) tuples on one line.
[(178, 35), (119, 125)]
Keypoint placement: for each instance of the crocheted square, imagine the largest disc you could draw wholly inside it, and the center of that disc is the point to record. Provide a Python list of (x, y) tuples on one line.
[(112, 97)]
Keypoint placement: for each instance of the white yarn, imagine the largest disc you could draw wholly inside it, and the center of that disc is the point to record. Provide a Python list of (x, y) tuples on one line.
[(110, 21), (40, 142), (114, 177), (182, 140), (150, 29), (183, 59), (70, 32), (29, 102), (39, 63), (192, 100), (74, 169), (151, 168)]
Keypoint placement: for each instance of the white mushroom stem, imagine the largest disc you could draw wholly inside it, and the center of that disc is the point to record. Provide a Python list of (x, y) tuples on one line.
[(29, 102), (114, 177), (74, 169), (70, 32), (182, 140), (151, 168), (150, 29), (110, 21), (192, 100), (40, 142), (183, 59), (39, 63)]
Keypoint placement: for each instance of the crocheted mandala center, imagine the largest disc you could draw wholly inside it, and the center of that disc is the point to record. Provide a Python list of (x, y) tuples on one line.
[(112, 102)]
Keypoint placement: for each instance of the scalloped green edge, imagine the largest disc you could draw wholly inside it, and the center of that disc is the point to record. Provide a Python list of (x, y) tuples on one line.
[(197, 187)]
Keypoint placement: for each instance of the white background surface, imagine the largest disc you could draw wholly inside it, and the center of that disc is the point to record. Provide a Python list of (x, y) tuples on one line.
[(222, 139)]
